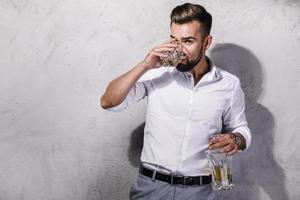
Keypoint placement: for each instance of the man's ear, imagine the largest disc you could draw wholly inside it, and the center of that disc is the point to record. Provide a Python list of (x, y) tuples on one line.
[(207, 41)]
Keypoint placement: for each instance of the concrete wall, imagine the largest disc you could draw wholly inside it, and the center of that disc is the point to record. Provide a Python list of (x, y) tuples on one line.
[(57, 57)]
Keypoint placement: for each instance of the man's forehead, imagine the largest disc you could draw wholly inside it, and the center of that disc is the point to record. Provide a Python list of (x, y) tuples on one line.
[(186, 30)]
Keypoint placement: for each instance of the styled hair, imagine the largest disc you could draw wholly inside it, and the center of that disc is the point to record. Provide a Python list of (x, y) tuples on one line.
[(188, 12)]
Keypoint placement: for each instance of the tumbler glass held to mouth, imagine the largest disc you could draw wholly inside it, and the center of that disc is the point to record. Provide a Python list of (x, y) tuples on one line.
[(220, 165), (174, 58)]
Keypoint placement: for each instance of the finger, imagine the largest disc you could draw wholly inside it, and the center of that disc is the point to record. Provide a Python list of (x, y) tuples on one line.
[(170, 40), (212, 143), (227, 148), (228, 136), (230, 153), (159, 54), (224, 138), (216, 146), (164, 49), (169, 45), (217, 143), (215, 138), (221, 137)]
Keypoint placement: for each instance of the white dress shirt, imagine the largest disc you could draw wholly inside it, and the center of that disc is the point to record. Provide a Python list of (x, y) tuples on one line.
[(181, 117)]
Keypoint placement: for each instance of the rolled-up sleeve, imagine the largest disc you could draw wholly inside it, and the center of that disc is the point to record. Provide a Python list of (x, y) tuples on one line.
[(234, 118), (138, 92)]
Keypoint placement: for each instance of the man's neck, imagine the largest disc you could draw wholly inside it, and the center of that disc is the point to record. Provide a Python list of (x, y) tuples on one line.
[(200, 70)]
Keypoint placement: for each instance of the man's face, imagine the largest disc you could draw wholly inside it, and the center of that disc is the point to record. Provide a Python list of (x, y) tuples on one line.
[(189, 36)]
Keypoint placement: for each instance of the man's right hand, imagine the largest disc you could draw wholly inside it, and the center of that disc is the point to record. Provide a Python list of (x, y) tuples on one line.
[(118, 88), (152, 60)]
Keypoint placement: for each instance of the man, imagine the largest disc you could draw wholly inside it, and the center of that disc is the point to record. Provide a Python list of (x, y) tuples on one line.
[(186, 105)]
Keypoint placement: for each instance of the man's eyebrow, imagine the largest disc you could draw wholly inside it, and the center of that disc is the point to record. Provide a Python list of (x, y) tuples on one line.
[(188, 38), (185, 38)]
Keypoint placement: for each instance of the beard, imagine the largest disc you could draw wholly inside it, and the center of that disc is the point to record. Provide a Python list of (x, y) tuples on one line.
[(189, 65)]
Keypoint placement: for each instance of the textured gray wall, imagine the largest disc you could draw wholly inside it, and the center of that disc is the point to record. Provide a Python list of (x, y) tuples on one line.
[(57, 57)]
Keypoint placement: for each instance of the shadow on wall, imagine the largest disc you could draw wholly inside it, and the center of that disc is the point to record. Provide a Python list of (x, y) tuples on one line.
[(257, 167), (136, 145)]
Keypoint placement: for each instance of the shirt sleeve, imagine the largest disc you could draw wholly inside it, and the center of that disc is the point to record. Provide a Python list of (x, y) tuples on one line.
[(234, 118), (138, 92)]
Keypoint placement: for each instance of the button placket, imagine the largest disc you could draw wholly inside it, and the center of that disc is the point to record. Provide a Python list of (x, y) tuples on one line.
[(187, 131)]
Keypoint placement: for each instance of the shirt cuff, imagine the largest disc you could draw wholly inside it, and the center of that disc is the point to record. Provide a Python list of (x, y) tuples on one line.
[(118, 108), (245, 132)]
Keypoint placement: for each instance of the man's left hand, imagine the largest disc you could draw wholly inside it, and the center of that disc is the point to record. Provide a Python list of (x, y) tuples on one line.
[(225, 143)]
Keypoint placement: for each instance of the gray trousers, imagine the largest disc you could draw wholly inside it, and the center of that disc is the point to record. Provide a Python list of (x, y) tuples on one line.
[(146, 189)]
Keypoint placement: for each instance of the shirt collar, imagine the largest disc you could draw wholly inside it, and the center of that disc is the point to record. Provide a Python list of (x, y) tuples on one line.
[(213, 74)]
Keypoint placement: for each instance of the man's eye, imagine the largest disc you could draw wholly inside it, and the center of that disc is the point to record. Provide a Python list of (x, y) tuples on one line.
[(188, 42)]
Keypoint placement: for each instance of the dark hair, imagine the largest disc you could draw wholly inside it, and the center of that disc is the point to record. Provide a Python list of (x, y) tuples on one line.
[(188, 12)]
